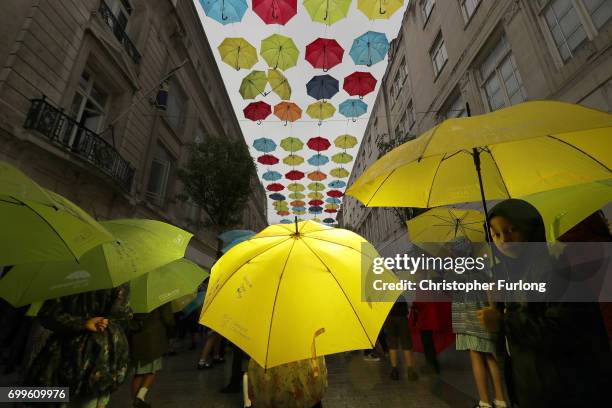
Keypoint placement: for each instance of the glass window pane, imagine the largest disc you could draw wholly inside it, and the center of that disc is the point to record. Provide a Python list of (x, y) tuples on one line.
[(576, 39), (600, 11)]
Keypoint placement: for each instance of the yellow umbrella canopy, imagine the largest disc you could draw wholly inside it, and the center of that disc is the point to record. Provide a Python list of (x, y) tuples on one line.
[(253, 85), (320, 110), (279, 51), (297, 196), (345, 141), (379, 9), (316, 186), (293, 160), (295, 187), (446, 224), (279, 84), (327, 11), (291, 144), (524, 149), (315, 195), (342, 158), (332, 206), (238, 53), (304, 272), (339, 172)]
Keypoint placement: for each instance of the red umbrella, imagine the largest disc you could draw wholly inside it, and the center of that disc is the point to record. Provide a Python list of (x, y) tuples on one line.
[(330, 211), (294, 175), (359, 83), (257, 111), (267, 159), (275, 187), (318, 143), (275, 11), (315, 202), (297, 203), (317, 175), (324, 53), (335, 193)]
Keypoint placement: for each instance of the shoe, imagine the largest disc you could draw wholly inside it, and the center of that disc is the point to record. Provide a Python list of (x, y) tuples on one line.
[(411, 374), (231, 389), (204, 365), (218, 360), (394, 374), (371, 357), (138, 403)]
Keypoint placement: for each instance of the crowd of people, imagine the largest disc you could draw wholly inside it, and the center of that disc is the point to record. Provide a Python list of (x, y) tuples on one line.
[(536, 354)]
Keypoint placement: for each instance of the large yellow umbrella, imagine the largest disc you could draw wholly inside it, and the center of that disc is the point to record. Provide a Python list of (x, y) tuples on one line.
[(297, 291), (238, 53), (279, 84), (279, 51), (446, 224), (379, 9), (524, 149)]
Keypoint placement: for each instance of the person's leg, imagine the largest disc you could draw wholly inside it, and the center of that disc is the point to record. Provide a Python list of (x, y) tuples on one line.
[(141, 395), (236, 376), (480, 375), (218, 349), (498, 384), (136, 384), (205, 360)]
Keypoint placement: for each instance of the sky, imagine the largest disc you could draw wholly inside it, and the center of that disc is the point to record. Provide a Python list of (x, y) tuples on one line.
[(303, 31)]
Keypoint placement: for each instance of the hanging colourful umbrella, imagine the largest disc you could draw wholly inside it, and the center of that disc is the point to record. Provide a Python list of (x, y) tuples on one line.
[(277, 196), (339, 172), (369, 48), (264, 144), (337, 184), (335, 193), (333, 200), (330, 211), (315, 209), (291, 144), (257, 111), (322, 87), (317, 175), (345, 141), (294, 175), (275, 187), (297, 203), (327, 11), (297, 196), (359, 83), (224, 11), (293, 160), (298, 209), (279, 51), (329, 220), (379, 9), (315, 195), (318, 160), (281, 207), (316, 186), (286, 221), (342, 158), (321, 110), (315, 202), (324, 53), (253, 85), (302, 212), (275, 11), (267, 159), (332, 206), (295, 187), (318, 143), (271, 175), (279, 84), (287, 111), (283, 213), (238, 53), (353, 108)]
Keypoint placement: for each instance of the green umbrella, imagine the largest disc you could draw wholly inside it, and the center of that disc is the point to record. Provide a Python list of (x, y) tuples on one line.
[(293, 160), (316, 186), (141, 246), (279, 84), (291, 144), (237, 53), (345, 141), (321, 110), (279, 51), (253, 85), (327, 11), (297, 196), (342, 158), (165, 284)]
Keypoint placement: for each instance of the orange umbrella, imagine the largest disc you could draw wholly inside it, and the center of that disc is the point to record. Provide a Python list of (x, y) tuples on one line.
[(317, 175), (287, 111)]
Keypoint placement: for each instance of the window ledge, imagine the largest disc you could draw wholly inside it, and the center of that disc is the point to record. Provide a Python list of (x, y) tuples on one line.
[(469, 20), (436, 76)]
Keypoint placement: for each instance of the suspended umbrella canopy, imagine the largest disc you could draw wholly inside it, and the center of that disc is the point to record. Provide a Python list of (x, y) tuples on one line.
[(333, 200), (315, 202), (317, 175), (297, 203), (321, 110), (324, 53), (275, 187), (297, 196), (315, 209), (316, 186), (286, 221), (279, 51), (295, 187), (335, 193), (322, 86), (316, 219), (294, 175), (267, 159), (225, 11), (339, 172), (345, 141), (332, 206), (315, 195), (298, 209), (275, 11), (379, 9), (327, 11), (277, 196), (291, 144), (318, 160), (318, 143), (279, 203), (359, 84), (264, 144), (293, 160), (282, 207), (287, 111), (253, 85), (238, 53), (329, 220), (331, 211), (283, 213), (257, 111), (369, 48), (353, 108), (300, 212), (271, 175), (337, 184), (342, 158), (279, 84)]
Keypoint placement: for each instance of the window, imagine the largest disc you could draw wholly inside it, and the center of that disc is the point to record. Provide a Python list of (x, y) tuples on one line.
[(399, 79), (438, 54), (427, 6), (600, 11), (161, 168), (398, 129), (88, 106), (175, 113), (500, 77), (456, 109), (122, 9), (468, 7), (409, 118)]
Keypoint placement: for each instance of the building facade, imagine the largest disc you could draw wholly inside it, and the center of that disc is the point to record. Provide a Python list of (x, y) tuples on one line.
[(488, 54), (80, 106)]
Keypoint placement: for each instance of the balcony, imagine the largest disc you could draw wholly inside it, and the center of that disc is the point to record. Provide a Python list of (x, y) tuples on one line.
[(65, 132), (119, 31)]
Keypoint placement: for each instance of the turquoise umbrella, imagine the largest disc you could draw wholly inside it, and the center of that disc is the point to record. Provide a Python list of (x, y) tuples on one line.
[(333, 200), (353, 108), (263, 144), (225, 11), (286, 221), (271, 175), (337, 184), (369, 48), (318, 160)]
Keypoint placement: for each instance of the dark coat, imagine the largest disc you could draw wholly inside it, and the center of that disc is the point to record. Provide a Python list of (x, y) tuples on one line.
[(150, 342)]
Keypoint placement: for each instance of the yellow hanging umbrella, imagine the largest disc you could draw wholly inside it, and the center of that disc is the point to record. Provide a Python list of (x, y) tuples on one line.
[(253, 85), (320, 110), (327, 11), (295, 292), (238, 53), (339, 172), (379, 9), (279, 84), (345, 141), (279, 51), (446, 224), (315, 195), (295, 187), (293, 160)]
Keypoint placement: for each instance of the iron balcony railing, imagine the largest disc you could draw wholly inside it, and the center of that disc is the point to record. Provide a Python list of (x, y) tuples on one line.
[(72, 136), (119, 31)]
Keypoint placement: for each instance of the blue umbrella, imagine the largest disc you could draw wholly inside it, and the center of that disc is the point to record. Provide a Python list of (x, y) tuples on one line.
[(298, 208), (263, 144), (277, 196), (318, 160), (329, 220), (237, 241), (353, 108), (229, 236), (369, 48), (322, 87), (225, 11), (337, 184), (315, 210), (271, 175), (286, 221), (333, 200)]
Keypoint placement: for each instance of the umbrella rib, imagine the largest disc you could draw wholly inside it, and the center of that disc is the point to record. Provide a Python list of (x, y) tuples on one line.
[(500, 176), (380, 186), (343, 292), (433, 180), (580, 150)]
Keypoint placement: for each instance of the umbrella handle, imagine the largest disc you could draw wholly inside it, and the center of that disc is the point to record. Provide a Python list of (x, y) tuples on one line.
[(285, 123), (380, 10), (223, 16), (326, 10), (354, 119), (320, 122), (259, 122)]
